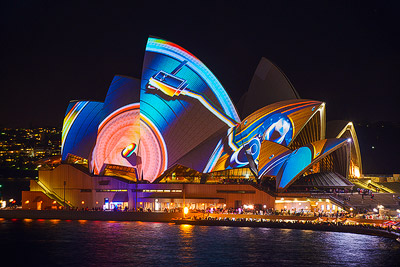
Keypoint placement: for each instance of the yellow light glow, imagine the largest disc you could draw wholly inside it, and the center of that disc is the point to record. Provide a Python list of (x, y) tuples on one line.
[(356, 172), (83, 202), (27, 202), (186, 210)]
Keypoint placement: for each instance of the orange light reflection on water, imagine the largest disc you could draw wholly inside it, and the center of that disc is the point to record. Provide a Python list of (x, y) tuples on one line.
[(186, 237)]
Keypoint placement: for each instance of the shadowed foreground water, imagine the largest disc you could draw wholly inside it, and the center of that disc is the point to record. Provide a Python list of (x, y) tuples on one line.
[(97, 243)]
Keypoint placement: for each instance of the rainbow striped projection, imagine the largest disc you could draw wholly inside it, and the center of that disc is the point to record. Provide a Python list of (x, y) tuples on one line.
[(175, 51), (69, 119)]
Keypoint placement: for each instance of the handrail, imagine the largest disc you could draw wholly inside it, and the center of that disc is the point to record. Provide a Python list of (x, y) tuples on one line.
[(51, 194)]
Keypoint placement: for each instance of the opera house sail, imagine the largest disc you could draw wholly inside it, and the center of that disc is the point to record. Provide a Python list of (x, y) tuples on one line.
[(177, 125)]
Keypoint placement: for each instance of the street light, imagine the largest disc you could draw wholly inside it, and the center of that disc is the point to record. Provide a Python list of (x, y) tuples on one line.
[(185, 211)]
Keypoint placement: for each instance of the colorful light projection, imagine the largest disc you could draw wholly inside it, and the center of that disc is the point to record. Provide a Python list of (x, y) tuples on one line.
[(126, 138), (272, 157), (278, 123), (172, 85), (182, 98), (115, 133), (81, 135), (129, 150), (69, 119), (183, 56), (302, 158), (152, 150)]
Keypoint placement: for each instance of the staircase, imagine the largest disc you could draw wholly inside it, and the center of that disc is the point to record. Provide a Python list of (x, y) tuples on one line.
[(366, 202), (370, 185), (347, 206), (52, 194)]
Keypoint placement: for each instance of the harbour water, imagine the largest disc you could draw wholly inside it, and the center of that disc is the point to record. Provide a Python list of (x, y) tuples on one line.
[(108, 243)]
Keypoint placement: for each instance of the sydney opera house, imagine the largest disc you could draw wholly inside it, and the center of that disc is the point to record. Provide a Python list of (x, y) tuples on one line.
[(174, 138)]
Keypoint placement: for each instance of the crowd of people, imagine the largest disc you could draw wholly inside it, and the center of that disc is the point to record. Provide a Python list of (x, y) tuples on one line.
[(394, 227)]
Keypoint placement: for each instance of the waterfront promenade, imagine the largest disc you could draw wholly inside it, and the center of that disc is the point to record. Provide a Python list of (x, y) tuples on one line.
[(90, 215)]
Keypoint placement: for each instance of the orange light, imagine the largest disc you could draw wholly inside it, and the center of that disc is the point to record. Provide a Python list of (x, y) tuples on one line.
[(83, 202)]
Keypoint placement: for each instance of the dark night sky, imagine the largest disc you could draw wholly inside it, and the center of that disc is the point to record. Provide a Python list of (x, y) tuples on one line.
[(344, 53)]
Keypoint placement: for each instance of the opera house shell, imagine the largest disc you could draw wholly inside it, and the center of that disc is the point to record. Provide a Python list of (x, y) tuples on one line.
[(177, 125)]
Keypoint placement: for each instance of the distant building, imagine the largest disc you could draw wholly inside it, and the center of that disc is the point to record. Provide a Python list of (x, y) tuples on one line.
[(175, 138)]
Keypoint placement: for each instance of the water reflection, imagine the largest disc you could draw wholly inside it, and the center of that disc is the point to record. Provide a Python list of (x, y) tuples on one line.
[(185, 243), (91, 243)]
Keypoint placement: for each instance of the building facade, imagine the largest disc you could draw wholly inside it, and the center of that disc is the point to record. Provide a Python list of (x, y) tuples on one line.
[(174, 138)]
